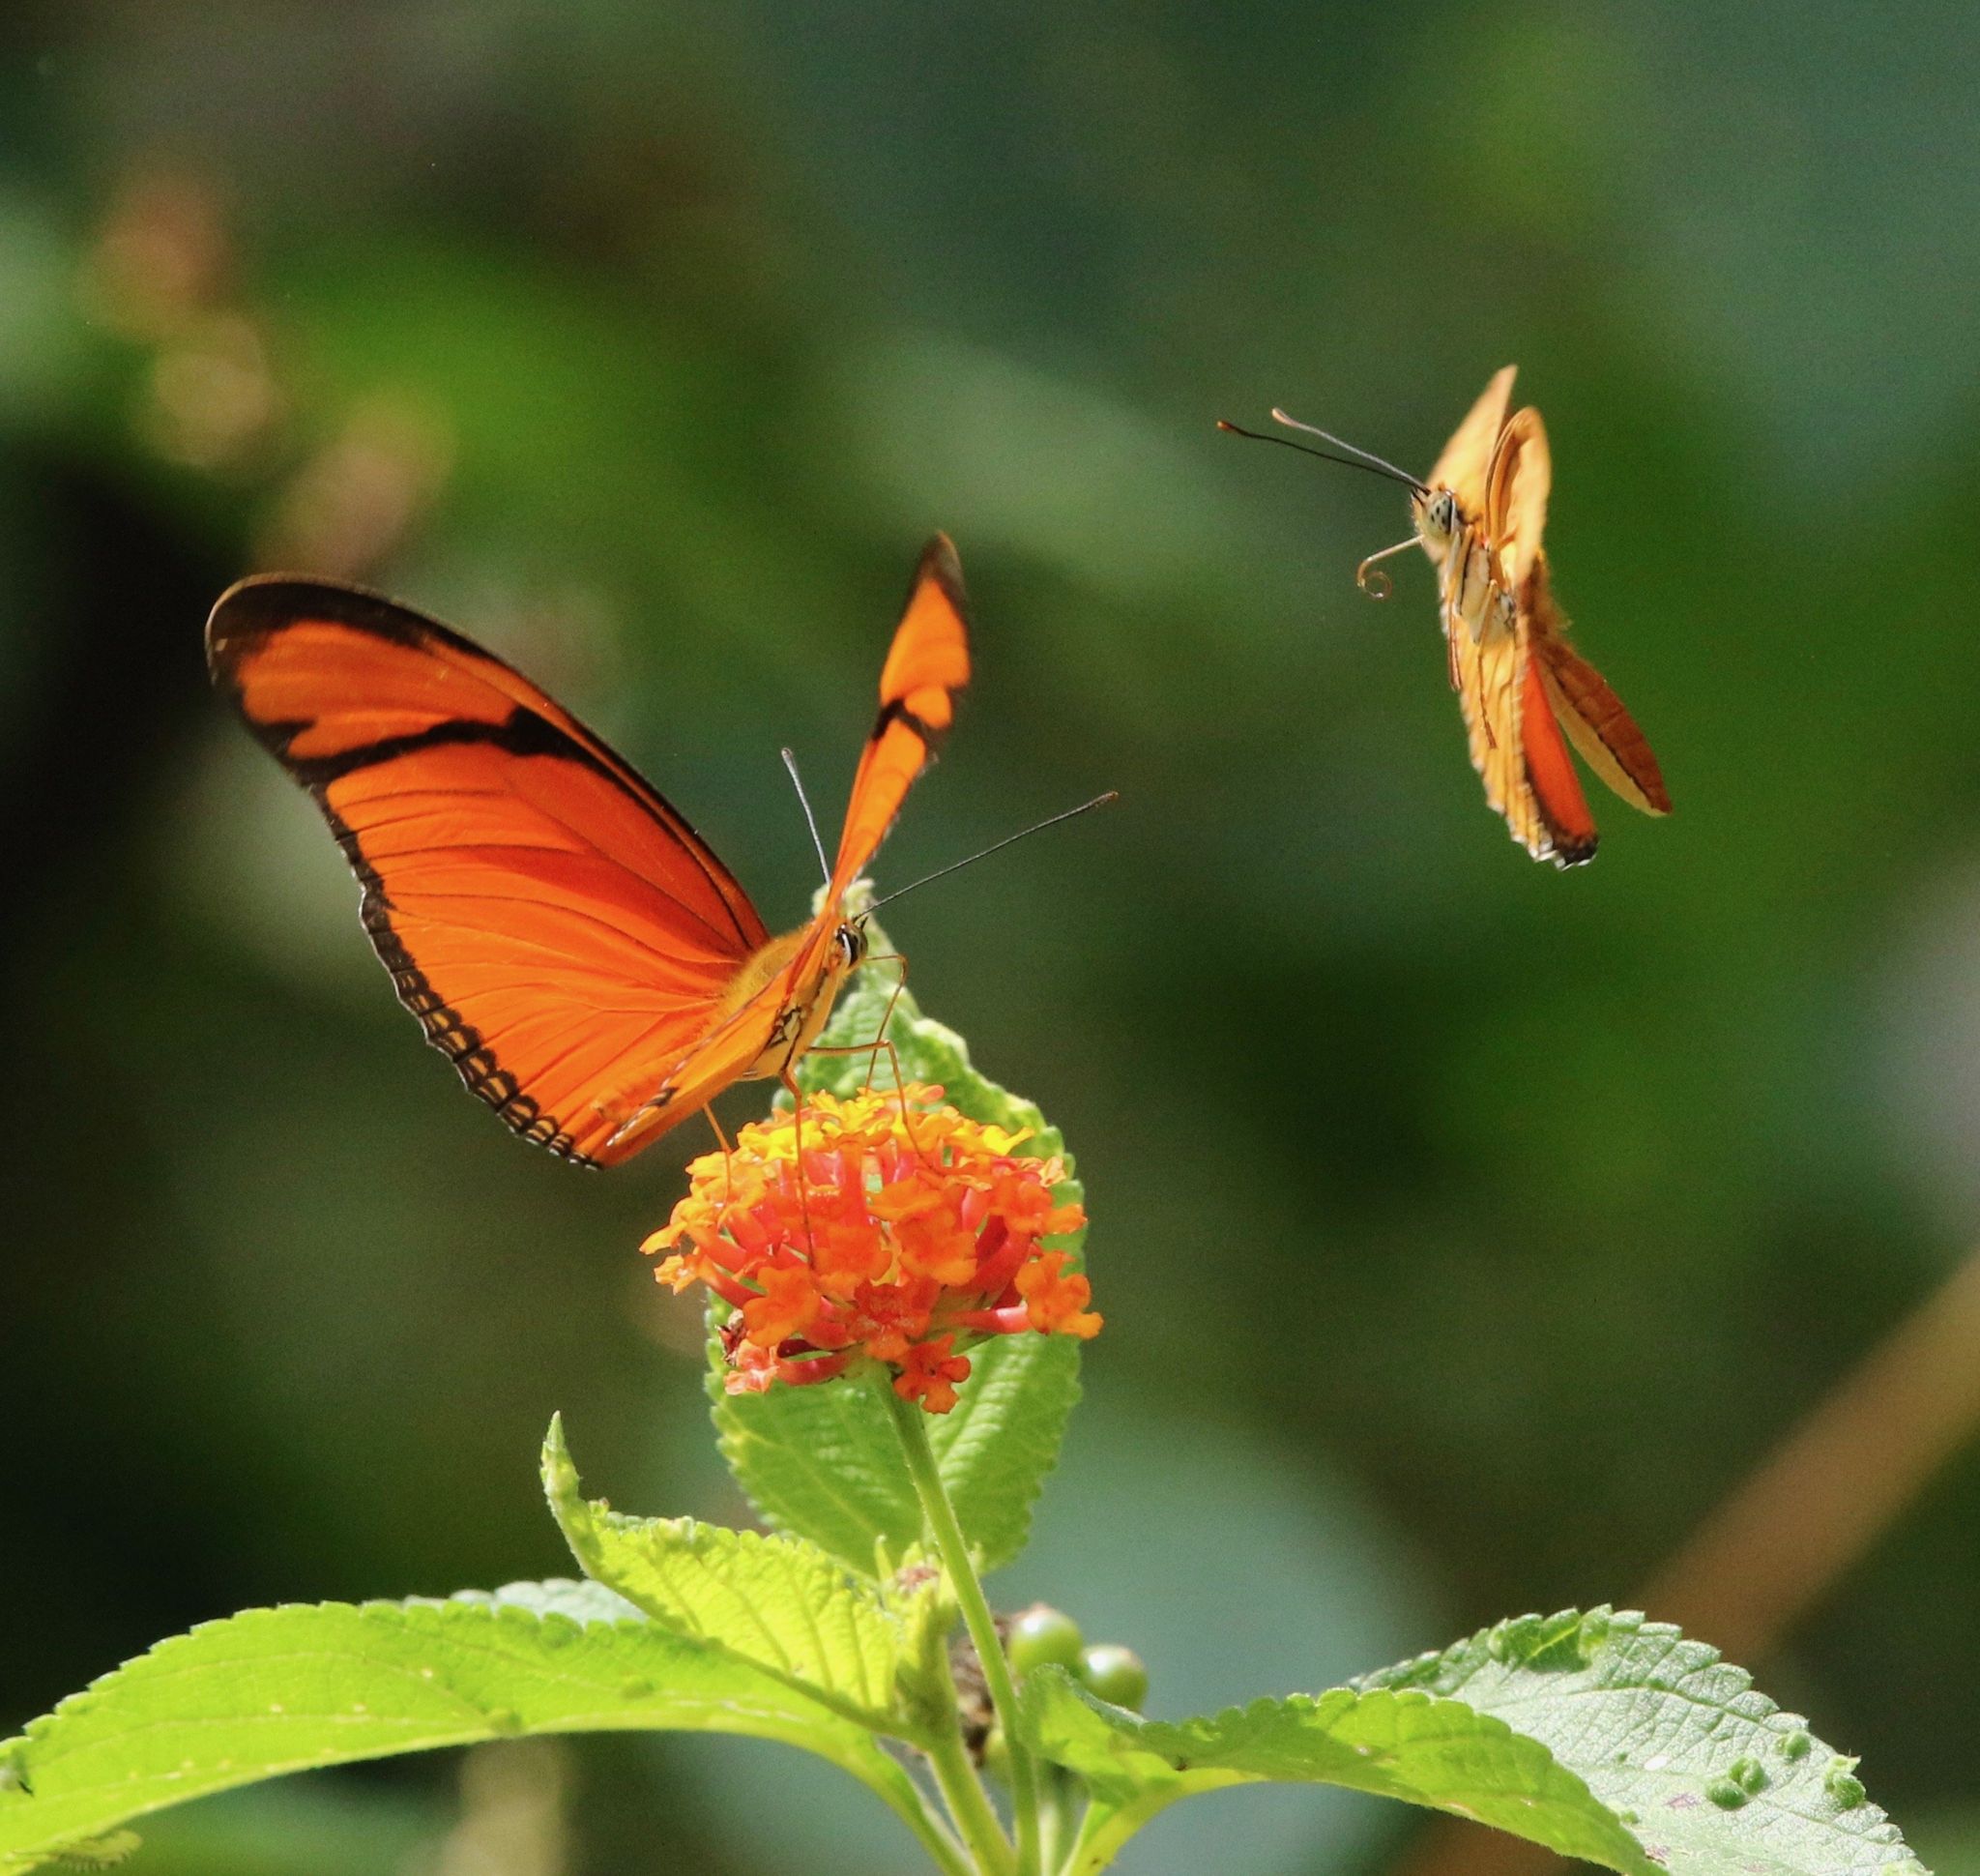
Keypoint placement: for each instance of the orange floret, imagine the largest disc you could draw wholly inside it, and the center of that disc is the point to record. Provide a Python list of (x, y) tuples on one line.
[(929, 1373), (1056, 1299)]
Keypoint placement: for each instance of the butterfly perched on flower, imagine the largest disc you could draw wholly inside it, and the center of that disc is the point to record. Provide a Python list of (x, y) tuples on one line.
[(565, 937), (1479, 515)]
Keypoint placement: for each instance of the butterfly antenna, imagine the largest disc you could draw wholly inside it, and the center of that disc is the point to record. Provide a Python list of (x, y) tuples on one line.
[(1341, 443), (810, 819), (996, 847), (1384, 470)]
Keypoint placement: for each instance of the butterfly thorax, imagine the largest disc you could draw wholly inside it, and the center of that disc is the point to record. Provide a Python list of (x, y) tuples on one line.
[(806, 973), (1469, 579)]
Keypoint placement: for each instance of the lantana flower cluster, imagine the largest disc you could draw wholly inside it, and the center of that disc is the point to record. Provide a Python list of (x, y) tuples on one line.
[(906, 1233)]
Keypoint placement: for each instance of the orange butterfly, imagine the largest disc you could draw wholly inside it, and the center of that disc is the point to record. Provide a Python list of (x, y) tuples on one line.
[(564, 936), (1479, 517)]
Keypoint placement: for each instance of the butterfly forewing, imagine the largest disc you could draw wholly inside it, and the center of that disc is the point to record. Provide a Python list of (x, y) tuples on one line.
[(928, 663), (1511, 743), (1554, 823), (1462, 467), (554, 923)]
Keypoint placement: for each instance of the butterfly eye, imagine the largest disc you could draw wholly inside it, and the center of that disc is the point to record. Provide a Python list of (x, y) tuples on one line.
[(851, 939), (1435, 514)]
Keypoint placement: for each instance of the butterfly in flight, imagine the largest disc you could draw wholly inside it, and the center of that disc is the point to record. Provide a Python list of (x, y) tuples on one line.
[(565, 939), (1479, 516)]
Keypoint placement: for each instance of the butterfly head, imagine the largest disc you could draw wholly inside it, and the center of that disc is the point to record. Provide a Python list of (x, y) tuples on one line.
[(849, 944), (1435, 511)]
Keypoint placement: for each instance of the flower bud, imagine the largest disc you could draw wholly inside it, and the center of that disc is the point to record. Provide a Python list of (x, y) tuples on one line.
[(1040, 1634), (1114, 1673)]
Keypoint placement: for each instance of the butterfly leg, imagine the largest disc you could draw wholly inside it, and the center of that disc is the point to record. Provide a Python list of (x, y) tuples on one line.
[(881, 1044), (887, 1018), (797, 1094), (728, 1159), (873, 1052), (1485, 715)]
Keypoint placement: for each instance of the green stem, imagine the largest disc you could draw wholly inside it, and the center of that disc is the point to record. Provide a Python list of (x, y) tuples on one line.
[(975, 1820), (1055, 1817), (1104, 1830), (939, 1517), (923, 1818)]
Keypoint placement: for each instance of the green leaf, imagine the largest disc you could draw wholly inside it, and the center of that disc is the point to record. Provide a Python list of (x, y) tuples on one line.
[(284, 1689), (781, 1604), (1656, 1723), (1001, 1437), (98, 1852), (822, 1461), (1602, 1736)]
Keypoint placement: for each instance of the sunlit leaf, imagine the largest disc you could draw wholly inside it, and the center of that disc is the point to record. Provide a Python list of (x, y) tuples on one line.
[(284, 1689), (780, 1603), (1602, 1736)]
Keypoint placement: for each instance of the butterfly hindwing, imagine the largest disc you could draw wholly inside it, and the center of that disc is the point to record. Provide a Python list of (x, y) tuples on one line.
[(1517, 485), (1604, 733)]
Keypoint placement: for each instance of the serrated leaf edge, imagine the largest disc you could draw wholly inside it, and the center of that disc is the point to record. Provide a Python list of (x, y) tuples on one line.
[(1516, 1643), (578, 1519)]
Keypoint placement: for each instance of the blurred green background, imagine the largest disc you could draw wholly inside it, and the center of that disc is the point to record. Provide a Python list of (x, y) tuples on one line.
[(1465, 1230)]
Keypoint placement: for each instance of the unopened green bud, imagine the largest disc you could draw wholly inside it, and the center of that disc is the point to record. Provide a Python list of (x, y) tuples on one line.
[(1114, 1673), (1042, 1635)]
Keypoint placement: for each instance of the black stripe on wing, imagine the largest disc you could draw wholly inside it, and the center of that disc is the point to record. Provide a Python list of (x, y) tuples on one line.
[(256, 609)]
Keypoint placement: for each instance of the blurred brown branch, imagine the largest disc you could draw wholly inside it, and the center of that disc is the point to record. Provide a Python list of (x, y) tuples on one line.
[(1814, 1508)]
